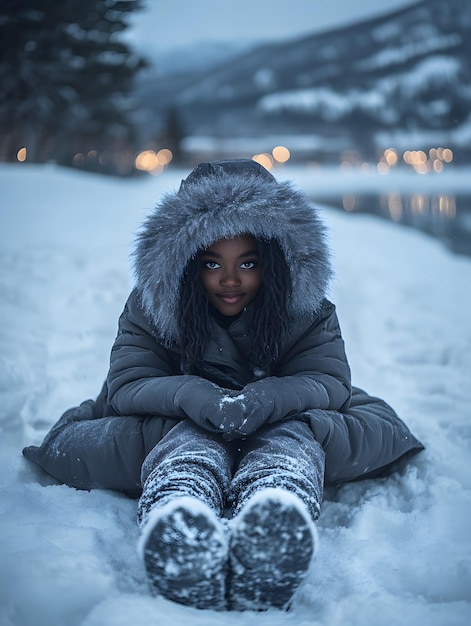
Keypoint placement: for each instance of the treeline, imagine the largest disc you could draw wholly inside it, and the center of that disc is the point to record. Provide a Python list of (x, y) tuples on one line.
[(66, 82)]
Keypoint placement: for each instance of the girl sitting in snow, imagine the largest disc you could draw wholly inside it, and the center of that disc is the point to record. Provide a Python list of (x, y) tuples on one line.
[(228, 403)]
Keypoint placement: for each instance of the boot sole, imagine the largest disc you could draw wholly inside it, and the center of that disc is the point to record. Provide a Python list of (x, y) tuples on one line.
[(184, 549), (272, 546)]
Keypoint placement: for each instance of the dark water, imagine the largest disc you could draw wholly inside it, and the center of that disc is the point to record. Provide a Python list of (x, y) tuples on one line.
[(444, 216)]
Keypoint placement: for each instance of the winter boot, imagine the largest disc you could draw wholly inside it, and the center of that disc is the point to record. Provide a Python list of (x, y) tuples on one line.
[(184, 548), (183, 541), (276, 494), (273, 541)]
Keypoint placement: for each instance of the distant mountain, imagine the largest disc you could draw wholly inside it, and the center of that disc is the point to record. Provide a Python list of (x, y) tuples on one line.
[(405, 73), (196, 58)]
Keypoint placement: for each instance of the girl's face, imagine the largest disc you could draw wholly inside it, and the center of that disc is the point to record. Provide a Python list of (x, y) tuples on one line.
[(231, 275)]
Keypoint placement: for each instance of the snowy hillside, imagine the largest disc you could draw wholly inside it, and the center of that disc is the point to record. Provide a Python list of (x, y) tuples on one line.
[(394, 552), (406, 71)]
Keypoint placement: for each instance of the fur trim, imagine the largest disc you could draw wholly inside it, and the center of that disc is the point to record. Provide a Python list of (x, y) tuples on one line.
[(218, 205)]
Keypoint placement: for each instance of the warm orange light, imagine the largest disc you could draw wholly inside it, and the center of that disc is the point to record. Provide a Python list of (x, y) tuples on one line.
[(447, 206), (421, 167), (146, 161), (447, 155), (150, 161), (281, 154), (21, 155), (264, 159), (418, 204), (433, 161), (391, 157), (421, 157), (164, 156)]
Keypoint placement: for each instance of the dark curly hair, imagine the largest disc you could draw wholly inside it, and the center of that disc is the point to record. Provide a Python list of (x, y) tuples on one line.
[(270, 321)]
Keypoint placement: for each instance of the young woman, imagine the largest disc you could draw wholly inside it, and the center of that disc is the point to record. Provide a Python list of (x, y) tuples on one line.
[(228, 403)]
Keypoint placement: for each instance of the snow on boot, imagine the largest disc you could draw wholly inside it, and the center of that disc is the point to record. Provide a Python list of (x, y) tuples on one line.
[(273, 541), (184, 548)]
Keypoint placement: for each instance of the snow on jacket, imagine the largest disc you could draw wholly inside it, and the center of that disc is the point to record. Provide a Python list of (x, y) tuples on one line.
[(103, 443)]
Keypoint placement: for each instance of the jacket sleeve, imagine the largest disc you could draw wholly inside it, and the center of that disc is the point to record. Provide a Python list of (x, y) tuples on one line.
[(144, 375), (312, 374)]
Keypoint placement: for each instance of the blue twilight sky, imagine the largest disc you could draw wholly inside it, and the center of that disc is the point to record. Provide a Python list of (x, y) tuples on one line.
[(166, 24)]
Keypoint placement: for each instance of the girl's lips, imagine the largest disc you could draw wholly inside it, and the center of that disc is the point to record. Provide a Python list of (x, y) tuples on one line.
[(231, 298)]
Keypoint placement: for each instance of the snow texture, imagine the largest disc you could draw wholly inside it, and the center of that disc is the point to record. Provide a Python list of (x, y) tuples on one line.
[(393, 551), (259, 561), (194, 573), (437, 70)]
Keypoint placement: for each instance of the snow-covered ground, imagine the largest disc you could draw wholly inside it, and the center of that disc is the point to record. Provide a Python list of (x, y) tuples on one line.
[(395, 551)]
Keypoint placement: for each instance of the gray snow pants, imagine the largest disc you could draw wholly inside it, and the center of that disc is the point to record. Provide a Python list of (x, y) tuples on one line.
[(192, 462)]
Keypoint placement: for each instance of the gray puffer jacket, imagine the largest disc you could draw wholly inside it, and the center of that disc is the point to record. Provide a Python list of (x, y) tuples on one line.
[(103, 442)]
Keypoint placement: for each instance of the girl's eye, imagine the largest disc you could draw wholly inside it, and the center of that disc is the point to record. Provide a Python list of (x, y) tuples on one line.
[(248, 265), (211, 265)]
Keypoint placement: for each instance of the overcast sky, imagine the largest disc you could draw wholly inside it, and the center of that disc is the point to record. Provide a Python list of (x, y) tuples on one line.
[(166, 24)]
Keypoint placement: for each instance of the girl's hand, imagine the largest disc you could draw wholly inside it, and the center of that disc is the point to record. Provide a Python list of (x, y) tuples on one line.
[(233, 414), (240, 416), (198, 399)]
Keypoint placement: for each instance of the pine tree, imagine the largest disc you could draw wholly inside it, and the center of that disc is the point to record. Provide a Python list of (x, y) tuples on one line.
[(66, 79)]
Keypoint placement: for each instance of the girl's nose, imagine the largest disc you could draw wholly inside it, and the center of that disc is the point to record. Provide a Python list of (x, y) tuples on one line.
[(230, 277)]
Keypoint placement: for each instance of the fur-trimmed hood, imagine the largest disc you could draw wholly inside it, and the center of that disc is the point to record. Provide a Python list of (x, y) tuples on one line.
[(221, 200)]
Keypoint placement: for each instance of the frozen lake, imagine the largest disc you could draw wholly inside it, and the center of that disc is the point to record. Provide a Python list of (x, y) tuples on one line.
[(435, 203), (446, 216)]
